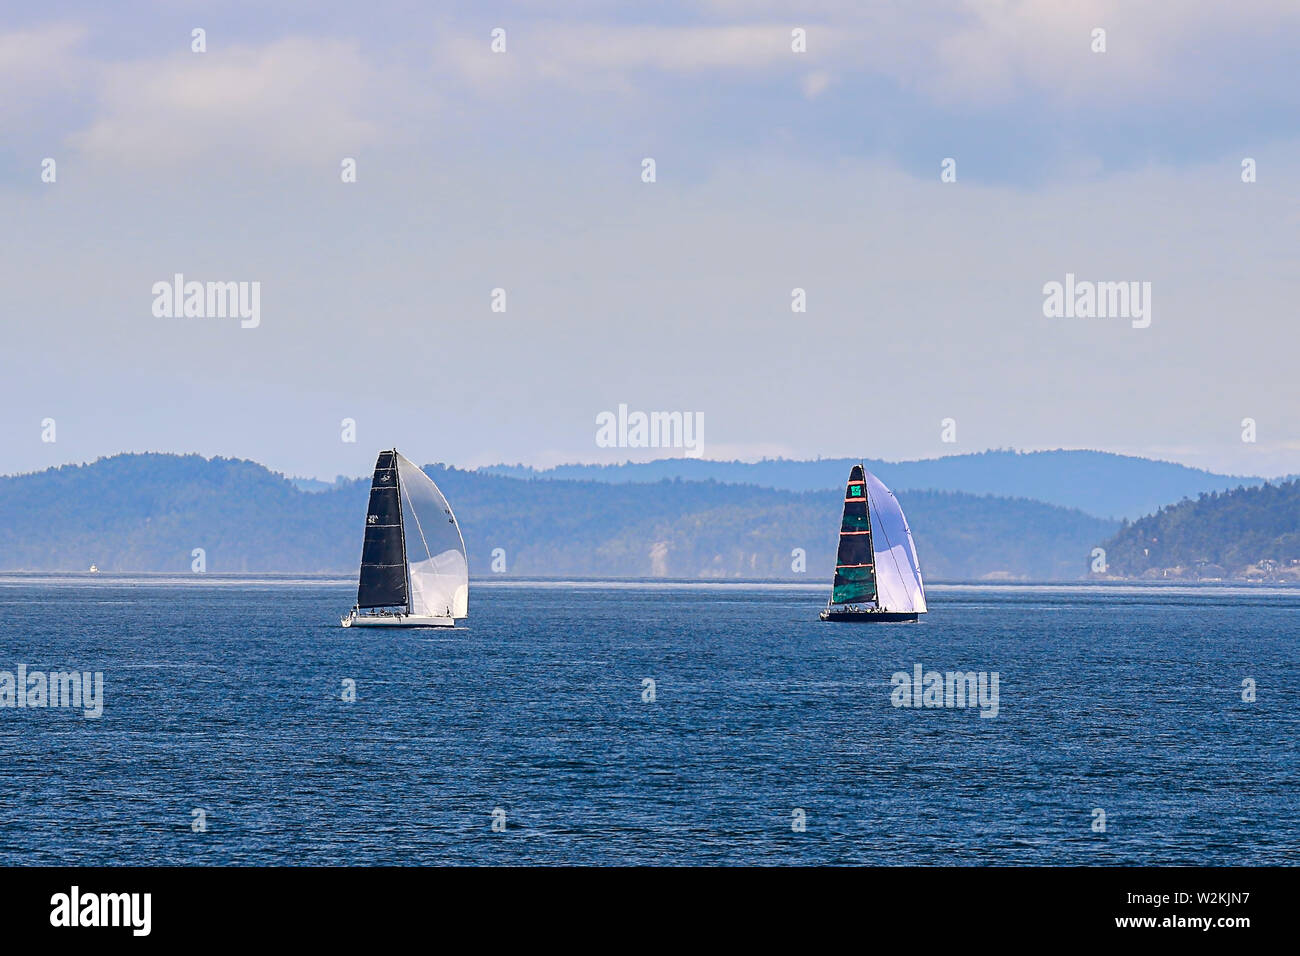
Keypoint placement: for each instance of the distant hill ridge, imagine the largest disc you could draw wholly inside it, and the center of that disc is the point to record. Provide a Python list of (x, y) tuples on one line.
[(1099, 483), (148, 512)]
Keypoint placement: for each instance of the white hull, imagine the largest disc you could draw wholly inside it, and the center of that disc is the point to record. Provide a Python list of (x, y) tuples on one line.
[(395, 620)]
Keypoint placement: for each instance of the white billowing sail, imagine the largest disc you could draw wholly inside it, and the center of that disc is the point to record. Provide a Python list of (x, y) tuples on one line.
[(435, 550), (898, 574)]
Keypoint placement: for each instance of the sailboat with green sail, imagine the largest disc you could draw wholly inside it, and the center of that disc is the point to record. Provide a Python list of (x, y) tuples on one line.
[(877, 575)]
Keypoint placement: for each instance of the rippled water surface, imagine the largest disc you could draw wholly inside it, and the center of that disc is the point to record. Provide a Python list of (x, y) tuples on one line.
[(226, 696)]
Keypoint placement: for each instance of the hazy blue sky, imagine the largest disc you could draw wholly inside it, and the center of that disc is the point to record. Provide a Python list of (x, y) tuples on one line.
[(775, 170)]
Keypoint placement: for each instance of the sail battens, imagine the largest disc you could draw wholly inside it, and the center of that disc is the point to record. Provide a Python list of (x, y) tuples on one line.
[(855, 577)]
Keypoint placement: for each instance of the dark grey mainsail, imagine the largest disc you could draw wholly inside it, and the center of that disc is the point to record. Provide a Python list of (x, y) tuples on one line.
[(383, 554)]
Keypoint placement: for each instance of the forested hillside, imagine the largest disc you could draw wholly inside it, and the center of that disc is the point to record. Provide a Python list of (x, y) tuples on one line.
[(1250, 533), (148, 513)]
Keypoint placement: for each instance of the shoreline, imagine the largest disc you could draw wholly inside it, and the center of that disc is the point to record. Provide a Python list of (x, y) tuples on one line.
[(286, 578)]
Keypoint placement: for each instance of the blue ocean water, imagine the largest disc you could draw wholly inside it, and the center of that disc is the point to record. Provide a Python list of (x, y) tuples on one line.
[(227, 696)]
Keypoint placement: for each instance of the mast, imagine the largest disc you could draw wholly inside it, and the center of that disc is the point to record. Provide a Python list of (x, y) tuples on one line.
[(401, 525)]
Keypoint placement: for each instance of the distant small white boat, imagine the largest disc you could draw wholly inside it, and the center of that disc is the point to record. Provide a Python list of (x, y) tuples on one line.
[(413, 567), (94, 570)]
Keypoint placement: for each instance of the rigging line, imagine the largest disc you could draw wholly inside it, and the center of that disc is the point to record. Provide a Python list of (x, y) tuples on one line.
[(401, 528), (418, 527), (891, 552)]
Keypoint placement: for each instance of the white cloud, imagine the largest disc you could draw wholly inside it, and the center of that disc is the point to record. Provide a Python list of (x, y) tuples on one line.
[(294, 99), (1008, 49), (964, 52), (33, 54), (671, 49), (37, 64), (814, 84), (609, 54)]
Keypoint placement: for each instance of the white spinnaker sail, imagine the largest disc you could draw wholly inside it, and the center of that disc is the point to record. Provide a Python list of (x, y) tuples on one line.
[(435, 550), (898, 574)]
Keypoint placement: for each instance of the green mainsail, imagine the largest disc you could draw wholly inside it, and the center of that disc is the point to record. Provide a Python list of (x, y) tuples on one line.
[(855, 569)]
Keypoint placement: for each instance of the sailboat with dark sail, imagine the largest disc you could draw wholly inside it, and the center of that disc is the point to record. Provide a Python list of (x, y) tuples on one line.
[(413, 567), (877, 576)]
